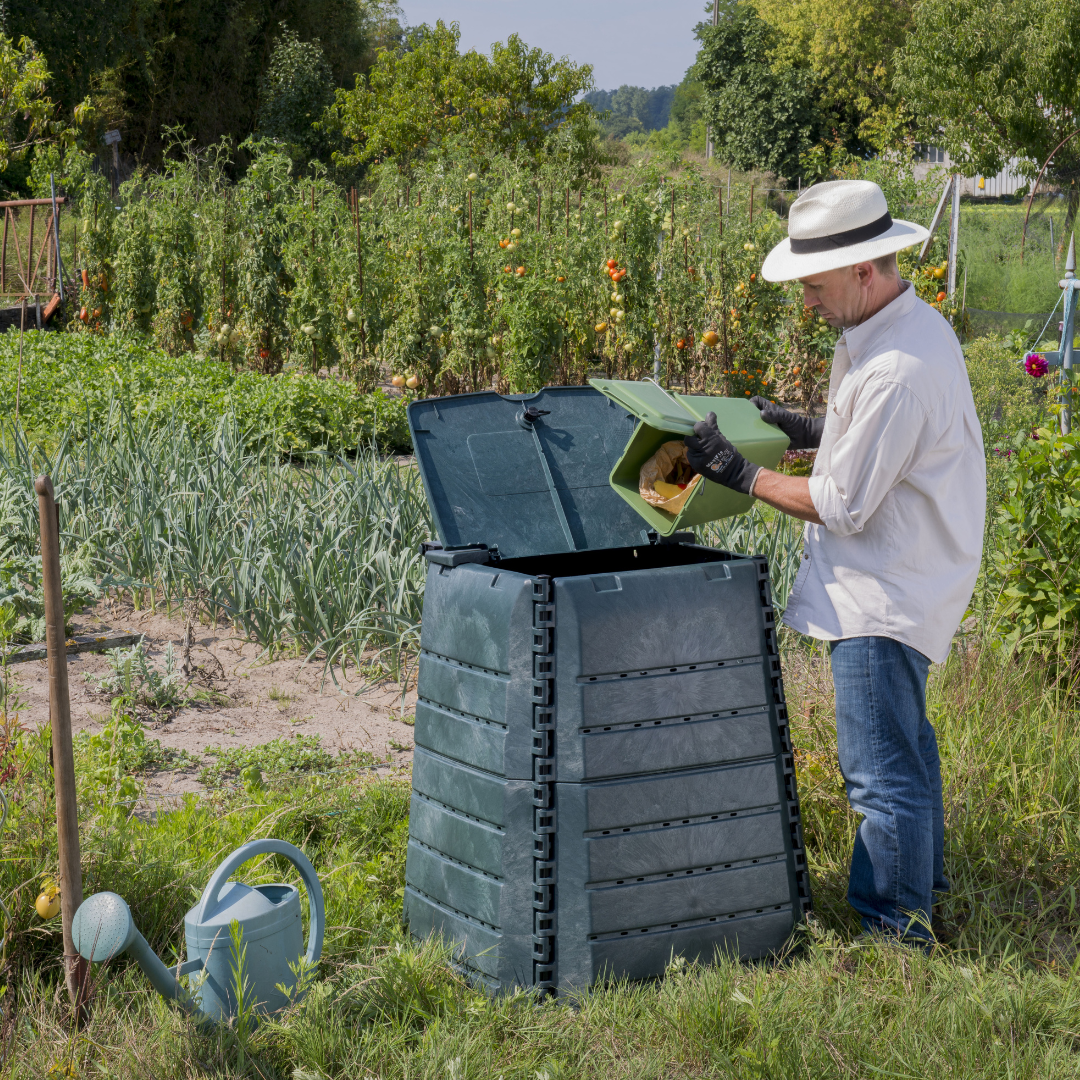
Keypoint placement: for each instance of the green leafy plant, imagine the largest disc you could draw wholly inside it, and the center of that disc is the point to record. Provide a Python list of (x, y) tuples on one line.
[(276, 759), (1037, 551), (138, 681)]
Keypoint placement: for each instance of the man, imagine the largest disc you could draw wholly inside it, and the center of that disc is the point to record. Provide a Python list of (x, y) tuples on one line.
[(895, 509)]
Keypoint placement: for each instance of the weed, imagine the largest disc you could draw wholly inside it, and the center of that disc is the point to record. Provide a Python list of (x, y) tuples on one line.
[(139, 682), (276, 758)]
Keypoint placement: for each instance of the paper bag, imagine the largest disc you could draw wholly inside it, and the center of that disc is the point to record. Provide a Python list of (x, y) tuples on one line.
[(666, 480)]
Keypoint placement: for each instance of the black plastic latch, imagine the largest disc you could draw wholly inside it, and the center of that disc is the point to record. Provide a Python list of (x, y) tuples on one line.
[(440, 556), (528, 417)]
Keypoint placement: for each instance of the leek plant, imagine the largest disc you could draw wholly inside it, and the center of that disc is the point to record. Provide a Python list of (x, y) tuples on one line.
[(321, 557)]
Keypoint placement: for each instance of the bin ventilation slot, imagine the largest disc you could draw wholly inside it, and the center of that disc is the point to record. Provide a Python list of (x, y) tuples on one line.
[(698, 820), (436, 902), (648, 672), (461, 664), (458, 813), (457, 862), (440, 707), (717, 868), (670, 721), (690, 924)]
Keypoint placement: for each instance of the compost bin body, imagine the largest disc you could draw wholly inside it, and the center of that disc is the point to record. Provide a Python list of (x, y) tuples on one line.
[(603, 776)]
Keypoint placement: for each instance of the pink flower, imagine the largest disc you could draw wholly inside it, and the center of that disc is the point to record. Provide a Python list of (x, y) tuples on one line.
[(1035, 365)]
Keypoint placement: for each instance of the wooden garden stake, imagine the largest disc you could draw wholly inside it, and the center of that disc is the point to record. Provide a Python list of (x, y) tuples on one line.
[(18, 383), (751, 204), (470, 226), (537, 209), (720, 203), (567, 211), (63, 760)]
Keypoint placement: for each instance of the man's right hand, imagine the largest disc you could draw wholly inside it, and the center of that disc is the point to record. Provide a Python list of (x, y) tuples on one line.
[(803, 432)]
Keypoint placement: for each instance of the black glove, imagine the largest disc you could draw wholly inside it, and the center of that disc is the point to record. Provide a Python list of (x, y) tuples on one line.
[(711, 455), (804, 432)]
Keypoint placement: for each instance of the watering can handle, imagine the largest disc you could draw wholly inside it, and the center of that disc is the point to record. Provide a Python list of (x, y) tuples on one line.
[(311, 881)]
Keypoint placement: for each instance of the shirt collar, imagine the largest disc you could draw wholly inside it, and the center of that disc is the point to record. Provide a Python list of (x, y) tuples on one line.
[(859, 338)]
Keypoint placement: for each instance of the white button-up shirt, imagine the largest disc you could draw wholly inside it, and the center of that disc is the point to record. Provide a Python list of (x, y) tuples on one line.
[(900, 484)]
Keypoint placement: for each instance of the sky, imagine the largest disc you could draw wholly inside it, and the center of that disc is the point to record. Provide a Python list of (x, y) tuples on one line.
[(626, 41)]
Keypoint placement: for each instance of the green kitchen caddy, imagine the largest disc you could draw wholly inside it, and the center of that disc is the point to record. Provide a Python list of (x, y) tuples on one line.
[(664, 416)]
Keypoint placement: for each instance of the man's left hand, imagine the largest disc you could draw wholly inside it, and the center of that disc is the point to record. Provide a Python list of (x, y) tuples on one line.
[(711, 455)]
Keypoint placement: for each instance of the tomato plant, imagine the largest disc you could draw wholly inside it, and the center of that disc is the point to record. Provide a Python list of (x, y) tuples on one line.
[(458, 274)]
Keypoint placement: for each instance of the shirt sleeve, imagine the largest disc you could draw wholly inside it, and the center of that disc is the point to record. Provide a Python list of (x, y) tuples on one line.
[(879, 448)]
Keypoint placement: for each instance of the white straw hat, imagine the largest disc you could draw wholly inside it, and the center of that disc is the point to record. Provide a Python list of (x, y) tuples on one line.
[(838, 223)]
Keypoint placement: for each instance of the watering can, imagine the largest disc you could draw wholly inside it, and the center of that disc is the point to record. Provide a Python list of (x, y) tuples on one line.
[(269, 920)]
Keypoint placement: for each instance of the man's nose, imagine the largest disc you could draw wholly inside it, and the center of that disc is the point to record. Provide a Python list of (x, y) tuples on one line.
[(809, 299)]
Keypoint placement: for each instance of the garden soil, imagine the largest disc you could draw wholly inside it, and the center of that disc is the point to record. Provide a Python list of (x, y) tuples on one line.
[(255, 699)]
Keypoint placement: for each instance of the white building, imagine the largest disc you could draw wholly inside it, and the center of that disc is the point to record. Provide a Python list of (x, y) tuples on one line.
[(1005, 182)]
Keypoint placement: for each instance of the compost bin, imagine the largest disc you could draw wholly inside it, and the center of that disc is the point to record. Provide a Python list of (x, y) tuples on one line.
[(603, 776)]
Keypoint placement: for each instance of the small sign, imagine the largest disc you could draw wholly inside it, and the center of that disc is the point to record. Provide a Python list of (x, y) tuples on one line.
[(112, 137)]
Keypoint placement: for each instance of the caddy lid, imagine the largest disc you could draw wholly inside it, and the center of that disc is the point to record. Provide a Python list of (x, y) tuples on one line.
[(650, 402), (526, 473)]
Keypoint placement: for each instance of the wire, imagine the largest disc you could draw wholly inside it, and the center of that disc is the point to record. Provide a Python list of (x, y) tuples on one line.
[(1038, 337)]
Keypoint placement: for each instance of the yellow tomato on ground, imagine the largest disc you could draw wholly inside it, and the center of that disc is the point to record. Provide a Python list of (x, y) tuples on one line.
[(48, 903)]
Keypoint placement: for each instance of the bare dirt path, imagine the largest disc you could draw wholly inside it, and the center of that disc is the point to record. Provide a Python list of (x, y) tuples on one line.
[(256, 699)]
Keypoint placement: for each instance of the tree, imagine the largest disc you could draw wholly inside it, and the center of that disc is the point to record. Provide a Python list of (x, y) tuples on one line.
[(153, 65), (851, 48), (991, 80), (26, 114), (631, 108), (761, 118), (687, 117), (418, 96), (297, 89)]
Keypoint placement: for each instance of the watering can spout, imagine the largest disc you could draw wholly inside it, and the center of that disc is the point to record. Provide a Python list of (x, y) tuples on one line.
[(103, 929)]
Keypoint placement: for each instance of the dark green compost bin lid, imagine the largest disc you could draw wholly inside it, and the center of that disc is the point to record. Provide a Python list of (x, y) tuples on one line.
[(526, 473)]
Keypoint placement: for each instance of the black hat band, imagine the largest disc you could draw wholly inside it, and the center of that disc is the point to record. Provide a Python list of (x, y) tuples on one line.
[(813, 244)]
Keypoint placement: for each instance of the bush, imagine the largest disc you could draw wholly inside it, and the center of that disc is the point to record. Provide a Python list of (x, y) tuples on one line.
[(1007, 399), (74, 382), (1037, 550)]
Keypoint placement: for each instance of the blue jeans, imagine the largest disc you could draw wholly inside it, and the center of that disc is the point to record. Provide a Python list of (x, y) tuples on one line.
[(889, 758)]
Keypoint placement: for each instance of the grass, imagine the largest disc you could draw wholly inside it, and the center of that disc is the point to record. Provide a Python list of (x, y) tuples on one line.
[(990, 238), (1004, 1002)]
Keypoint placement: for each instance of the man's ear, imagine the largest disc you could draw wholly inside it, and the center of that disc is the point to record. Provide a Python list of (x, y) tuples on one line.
[(865, 272)]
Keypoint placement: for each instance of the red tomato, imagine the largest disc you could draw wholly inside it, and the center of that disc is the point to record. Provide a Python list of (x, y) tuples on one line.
[(611, 264)]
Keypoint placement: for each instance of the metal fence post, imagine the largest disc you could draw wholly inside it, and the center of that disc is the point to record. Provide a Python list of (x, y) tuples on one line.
[(954, 234), (1069, 284)]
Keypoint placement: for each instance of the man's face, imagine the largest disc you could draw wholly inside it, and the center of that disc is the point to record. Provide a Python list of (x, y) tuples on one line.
[(839, 296)]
